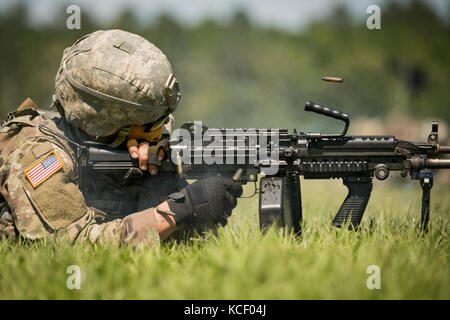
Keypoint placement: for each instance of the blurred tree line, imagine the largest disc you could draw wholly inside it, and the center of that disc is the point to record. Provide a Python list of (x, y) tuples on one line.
[(241, 75)]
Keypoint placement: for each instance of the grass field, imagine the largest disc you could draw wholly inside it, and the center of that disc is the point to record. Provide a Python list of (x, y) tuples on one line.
[(240, 263)]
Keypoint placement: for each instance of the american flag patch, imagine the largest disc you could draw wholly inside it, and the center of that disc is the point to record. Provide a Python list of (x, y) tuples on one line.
[(43, 170)]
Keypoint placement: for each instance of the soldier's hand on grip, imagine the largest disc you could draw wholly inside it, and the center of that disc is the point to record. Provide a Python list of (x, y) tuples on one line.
[(205, 203), (149, 157)]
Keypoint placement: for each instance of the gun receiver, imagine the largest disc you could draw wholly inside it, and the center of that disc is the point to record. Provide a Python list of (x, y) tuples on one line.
[(242, 154)]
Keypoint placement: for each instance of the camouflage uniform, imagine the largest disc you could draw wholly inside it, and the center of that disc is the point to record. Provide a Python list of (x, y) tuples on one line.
[(56, 205), (107, 80)]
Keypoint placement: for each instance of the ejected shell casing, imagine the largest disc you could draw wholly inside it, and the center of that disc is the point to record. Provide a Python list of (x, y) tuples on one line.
[(333, 79)]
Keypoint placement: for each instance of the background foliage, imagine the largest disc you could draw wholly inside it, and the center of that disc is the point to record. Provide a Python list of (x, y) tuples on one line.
[(242, 75)]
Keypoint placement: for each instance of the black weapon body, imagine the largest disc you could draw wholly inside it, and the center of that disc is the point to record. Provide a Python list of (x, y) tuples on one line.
[(355, 159)]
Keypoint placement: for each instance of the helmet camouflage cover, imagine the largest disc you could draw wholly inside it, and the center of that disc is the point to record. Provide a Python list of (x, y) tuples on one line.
[(112, 79)]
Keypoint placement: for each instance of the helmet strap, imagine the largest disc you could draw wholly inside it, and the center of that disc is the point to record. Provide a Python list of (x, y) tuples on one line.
[(120, 138)]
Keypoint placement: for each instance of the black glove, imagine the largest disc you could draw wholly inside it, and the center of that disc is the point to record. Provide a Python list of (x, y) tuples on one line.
[(206, 202)]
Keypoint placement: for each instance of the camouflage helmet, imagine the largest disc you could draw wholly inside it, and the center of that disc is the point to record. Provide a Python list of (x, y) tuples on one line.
[(112, 79)]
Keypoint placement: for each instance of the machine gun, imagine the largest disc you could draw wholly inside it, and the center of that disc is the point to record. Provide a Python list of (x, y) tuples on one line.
[(198, 151)]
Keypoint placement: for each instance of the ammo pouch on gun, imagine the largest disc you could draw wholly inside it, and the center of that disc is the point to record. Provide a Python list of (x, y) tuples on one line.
[(280, 203)]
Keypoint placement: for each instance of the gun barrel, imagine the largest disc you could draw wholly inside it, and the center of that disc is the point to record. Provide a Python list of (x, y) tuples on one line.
[(444, 149), (437, 163)]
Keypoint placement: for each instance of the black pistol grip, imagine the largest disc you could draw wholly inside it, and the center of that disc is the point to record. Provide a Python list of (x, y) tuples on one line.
[(352, 210)]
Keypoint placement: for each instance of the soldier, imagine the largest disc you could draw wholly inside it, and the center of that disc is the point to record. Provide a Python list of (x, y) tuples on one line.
[(116, 89)]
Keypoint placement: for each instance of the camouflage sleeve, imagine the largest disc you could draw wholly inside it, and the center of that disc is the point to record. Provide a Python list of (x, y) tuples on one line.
[(56, 207), (6, 222), (38, 183), (40, 188), (136, 229)]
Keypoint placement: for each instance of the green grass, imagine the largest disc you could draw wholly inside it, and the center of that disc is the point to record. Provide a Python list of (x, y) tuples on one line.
[(240, 263)]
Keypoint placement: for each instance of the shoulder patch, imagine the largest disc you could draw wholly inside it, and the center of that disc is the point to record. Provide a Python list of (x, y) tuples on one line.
[(43, 169)]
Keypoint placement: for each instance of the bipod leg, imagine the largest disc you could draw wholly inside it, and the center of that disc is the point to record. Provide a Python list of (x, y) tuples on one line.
[(426, 182)]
